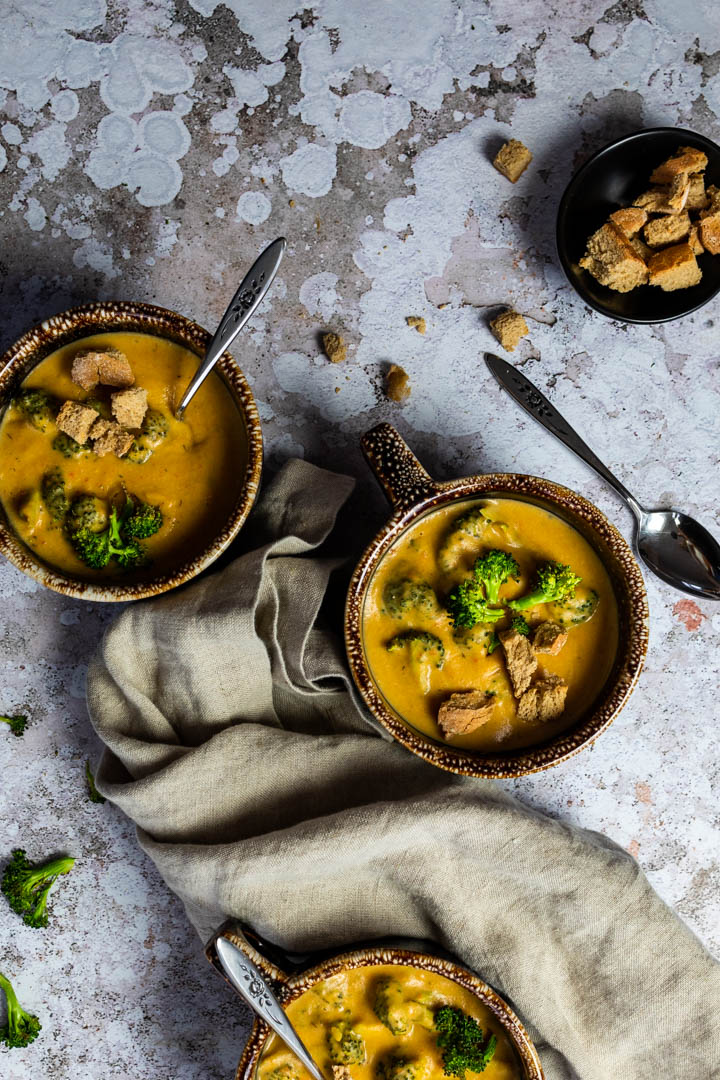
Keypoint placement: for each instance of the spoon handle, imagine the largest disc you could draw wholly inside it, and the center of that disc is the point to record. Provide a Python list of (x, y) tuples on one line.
[(243, 305), (537, 405), (251, 984)]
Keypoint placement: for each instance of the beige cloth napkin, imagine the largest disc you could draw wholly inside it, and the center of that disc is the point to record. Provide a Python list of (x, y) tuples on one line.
[(262, 792)]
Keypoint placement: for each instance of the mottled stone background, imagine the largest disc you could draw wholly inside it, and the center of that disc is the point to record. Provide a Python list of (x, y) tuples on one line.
[(148, 150)]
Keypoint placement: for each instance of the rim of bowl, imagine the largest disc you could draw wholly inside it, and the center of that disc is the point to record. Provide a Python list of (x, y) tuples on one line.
[(569, 192), (295, 985), (630, 595), (100, 317)]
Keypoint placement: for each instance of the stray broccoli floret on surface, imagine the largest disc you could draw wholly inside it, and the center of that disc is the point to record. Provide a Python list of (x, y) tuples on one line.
[(69, 448), (397, 1067), (22, 1027), (467, 606), (493, 569), (96, 549), (390, 1005), (553, 582), (17, 724), (140, 520), (26, 886), (575, 609), (52, 489), (93, 793), (461, 1039), (345, 1045), (403, 595), (37, 407)]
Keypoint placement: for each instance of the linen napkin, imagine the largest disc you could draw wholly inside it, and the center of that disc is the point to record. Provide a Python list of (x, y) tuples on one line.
[(262, 792)]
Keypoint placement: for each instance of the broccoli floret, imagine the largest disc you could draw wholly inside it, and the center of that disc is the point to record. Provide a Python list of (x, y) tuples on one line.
[(87, 512), (102, 408), (37, 406), (96, 549), (93, 793), (152, 432), (404, 595), (286, 1071), (576, 609), (465, 532), (461, 1039), (390, 1005), (518, 624), (553, 582), (493, 569), (52, 489), (426, 651), (397, 1067), (467, 606), (345, 1045), (26, 887), (140, 520), (22, 1027), (69, 448), (17, 724)]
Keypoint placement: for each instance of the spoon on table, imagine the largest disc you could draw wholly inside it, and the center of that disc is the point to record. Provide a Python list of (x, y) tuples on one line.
[(243, 305), (673, 545), (252, 985)]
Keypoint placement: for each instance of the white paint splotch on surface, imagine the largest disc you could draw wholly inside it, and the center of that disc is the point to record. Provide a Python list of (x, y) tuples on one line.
[(310, 170), (253, 207), (318, 294)]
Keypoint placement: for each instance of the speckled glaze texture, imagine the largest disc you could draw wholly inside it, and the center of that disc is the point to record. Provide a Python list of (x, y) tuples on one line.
[(290, 987), (97, 318), (413, 494)]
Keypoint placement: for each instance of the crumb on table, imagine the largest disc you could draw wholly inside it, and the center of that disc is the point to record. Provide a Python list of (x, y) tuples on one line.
[(417, 322), (508, 328), (512, 159), (397, 383), (334, 347)]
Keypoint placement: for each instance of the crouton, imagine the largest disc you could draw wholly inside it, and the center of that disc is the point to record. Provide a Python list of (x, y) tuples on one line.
[(397, 383), (612, 261), (640, 248), (84, 369), (710, 232), (678, 193), (666, 230), (520, 659), (109, 438), (675, 267), (129, 407), (654, 201), (512, 159), (417, 322), (697, 199), (334, 348), (712, 201), (544, 700), (549, 637), (694, 240), (508, 328), (76, 419), (114, 368), (629, 220), (465, 712), (341, 1072), (685, 160)]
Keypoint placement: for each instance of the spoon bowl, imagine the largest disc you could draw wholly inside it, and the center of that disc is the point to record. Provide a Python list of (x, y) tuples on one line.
[(680, 551)]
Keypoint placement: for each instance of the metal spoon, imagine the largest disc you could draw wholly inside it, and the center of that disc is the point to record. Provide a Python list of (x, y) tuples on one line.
[(244, 303), (674, 546), (251, 984)]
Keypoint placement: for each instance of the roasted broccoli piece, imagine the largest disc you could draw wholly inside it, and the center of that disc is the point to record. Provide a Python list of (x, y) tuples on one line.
[(152, 432), (140, 520), (461, 1039), (17, 724), (576, 609), (397, 1067), (404, 595), (465, 532), (26, 887), (69, 448), (52, 489), (93, 793), (87, 512), (22, 1027), (390, 1005), (553, 582), (493, 569), (96, 549), (467, 606), (38, 407), (345, 1045)]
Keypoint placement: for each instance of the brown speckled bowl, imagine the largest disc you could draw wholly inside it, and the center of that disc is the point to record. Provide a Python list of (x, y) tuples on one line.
[(412, 493), (97, 318), (307, 973)]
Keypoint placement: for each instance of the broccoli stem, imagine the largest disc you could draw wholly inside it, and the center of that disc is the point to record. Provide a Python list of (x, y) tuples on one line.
[(21, 1027)]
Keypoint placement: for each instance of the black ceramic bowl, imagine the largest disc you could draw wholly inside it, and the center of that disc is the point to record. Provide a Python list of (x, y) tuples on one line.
[(612, 178)]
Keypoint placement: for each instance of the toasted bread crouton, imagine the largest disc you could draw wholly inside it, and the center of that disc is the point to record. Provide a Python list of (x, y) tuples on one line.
[(697, 199), (611, 260), (666, 230), (508, 328), (114, 368), (397, 383), (520, 659), (710, 226), (694, 240), (341, 1072), (675, 267), (129, 406), (544, 700), (417, 323), (640, 248), (465, 712), (109, 438), (685, 160), (512, 159), (76, 419), (678, 193), (549, 637), (84, 369), (334, 348), (713, 202), (654, 201), (629, 220)]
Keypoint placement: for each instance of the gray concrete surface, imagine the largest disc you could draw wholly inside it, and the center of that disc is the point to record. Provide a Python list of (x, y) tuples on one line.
[(148, 150)]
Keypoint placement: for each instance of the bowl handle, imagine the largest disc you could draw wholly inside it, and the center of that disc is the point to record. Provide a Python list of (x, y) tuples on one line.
[(402, 477), (263, 955)]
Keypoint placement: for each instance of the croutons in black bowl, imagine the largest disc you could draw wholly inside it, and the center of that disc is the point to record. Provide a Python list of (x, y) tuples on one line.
[(612, 179)]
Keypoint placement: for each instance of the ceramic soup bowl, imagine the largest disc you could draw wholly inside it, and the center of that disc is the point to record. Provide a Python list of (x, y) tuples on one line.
[(96, 318), (291, 976), (413, 494)]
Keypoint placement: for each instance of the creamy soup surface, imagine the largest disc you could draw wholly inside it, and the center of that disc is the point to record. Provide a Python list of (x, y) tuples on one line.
[(532, 535), (349, 1000), (193, 475)]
